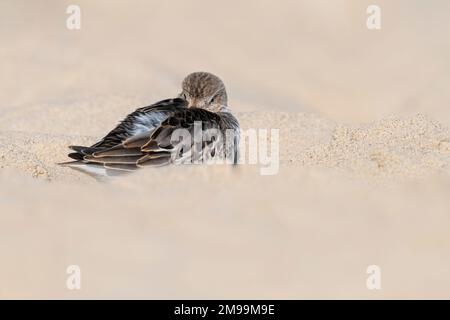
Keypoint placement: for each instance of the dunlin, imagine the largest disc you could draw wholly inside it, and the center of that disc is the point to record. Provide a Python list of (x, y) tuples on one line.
[(150, 136)]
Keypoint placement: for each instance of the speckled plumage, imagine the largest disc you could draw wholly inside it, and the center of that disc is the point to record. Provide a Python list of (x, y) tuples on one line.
[(144, 137), (200, 87)]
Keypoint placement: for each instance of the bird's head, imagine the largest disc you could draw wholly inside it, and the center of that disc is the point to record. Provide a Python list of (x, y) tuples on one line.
[(204, 90)]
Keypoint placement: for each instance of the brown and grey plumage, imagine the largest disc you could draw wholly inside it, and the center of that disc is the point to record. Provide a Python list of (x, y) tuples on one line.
[(146, 136)]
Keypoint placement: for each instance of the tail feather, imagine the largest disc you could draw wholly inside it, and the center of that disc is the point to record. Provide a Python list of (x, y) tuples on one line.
[(70, 163), (76, 156), (107, 162), (84, 150)]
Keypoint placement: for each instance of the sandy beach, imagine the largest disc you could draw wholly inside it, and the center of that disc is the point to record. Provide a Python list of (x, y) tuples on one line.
[(364, 172)]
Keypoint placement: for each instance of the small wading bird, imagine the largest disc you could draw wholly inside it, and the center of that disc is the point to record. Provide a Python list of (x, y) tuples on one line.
[(148, 136)]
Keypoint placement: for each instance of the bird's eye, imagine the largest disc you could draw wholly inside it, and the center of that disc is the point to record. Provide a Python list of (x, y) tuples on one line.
[(212, 100)]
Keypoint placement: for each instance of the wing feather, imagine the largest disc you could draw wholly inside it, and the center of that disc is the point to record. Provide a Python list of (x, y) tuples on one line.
[(154, 147), (122, 160)]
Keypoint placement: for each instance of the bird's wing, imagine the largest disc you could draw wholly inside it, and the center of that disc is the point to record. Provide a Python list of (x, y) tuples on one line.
[(139, 122), (160, 146)]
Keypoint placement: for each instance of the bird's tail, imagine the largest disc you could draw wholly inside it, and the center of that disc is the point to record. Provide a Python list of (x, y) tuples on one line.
[(93, 169)]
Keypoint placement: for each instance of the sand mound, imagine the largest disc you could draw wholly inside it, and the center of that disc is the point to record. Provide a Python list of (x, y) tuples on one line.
[(202, 231), (389, 149)]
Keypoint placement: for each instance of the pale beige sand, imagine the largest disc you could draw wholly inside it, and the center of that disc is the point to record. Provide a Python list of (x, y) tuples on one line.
[(364, 148)]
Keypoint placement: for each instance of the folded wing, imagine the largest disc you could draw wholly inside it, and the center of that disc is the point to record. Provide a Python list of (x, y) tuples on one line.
[(173, 140)]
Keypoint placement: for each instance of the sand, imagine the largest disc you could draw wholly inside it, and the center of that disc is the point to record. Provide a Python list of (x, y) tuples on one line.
[(364, 172)]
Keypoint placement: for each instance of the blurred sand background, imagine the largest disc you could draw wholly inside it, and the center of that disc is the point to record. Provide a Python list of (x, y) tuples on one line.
[(364, 177)]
